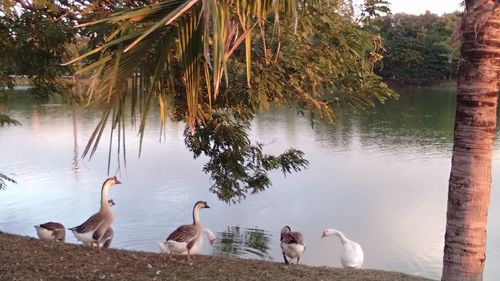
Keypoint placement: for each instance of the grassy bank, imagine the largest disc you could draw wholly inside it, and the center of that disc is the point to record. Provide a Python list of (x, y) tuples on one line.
[(24, 258)]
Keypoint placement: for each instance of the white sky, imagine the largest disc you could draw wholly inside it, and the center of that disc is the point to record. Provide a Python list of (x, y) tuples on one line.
[(418, 7)]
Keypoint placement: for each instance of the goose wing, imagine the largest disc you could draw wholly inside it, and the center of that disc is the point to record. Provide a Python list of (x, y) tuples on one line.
[(292, 237), (183, 233), (52, 226), (90, 224)]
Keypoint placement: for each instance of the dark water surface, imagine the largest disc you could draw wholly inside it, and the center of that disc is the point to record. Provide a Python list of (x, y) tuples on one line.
[(380, 176)]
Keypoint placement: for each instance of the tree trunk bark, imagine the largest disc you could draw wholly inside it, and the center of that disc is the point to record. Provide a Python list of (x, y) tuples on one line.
[(475, 129)]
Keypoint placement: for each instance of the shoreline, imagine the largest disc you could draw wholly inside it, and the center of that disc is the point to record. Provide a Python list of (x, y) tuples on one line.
[(27, 258)]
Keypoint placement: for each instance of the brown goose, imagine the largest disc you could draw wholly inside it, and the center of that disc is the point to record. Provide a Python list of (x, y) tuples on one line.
[(292, 244), (93, 229), (51, 231), (185, 236), (106, 239)]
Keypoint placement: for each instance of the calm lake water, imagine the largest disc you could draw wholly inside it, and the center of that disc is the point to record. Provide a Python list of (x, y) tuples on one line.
[(380, 176)]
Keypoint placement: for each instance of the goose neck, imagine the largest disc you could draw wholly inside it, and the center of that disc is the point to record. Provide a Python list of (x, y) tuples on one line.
[(196, 215), (339, 234), (104, 196)]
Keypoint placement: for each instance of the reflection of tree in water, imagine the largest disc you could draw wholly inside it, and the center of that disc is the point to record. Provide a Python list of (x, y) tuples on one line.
[(238, 242)]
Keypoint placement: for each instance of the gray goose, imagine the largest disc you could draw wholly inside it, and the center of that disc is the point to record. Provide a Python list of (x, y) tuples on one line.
[(185, 236), (94, 228), (51, 231), (292, 244)]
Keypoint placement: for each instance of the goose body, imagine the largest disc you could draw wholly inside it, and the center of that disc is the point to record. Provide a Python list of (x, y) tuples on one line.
[(51, 231), (185, 236), (106, 239), (292, 244), (94, 228), (351, 255), (181, 247)]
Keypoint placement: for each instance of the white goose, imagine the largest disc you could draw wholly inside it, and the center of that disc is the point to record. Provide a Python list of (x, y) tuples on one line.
[(106, 239), (51, 231), (292, 244), (351, 255), (196, 249), (93, 229), (185, 236)]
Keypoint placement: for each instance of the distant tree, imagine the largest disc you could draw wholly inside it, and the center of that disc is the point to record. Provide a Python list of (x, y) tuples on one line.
[(419, 48), (475, 131)]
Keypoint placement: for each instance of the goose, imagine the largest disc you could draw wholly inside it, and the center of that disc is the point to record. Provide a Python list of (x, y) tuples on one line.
[(51, 231), (292, 244), (196, 249), (93, 229), (185, 236), (106, 239), (351, 255)]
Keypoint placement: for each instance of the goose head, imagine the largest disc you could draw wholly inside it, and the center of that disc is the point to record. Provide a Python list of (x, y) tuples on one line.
[(201, 204), (112, 181), (330, 232), (111, 203), (285, 229)]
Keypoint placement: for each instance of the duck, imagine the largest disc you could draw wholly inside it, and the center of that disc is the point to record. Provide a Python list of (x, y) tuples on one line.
[(94, 228), (292, 244), (196, 249), (351, 255), (106, 239), (185, 236), (51, 231)]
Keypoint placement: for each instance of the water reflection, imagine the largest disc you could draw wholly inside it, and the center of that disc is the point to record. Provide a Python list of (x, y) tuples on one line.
[(76, 154), (243, 242)]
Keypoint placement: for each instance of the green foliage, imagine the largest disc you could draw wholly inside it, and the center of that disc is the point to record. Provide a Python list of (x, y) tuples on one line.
[(326, 63), (372, 11), (419, 48), (237, 166), (35, 45)]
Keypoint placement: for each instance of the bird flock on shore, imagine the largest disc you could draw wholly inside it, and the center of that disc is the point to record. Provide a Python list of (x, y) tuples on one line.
[(187, 239)]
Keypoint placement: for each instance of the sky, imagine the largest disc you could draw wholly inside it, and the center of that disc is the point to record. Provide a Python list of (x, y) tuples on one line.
[(418, 7)]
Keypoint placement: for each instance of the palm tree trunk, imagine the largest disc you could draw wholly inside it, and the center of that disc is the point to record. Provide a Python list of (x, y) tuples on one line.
[(475, 128)]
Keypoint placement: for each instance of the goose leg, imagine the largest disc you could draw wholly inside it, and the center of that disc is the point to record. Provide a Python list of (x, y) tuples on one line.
[(189, 255), (298, 258), (171, 257), (286, 260)]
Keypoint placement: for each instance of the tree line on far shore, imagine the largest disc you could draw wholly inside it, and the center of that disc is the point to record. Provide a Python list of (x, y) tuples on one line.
[(419, 49)]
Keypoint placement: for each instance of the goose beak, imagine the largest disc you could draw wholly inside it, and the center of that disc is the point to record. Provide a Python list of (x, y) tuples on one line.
[(323, 234), (117, 181), (206, 206)]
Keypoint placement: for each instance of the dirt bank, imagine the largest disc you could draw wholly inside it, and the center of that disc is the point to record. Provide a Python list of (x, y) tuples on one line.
[(24, 258)]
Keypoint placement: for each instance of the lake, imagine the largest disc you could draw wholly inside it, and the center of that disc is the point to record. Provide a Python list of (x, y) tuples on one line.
[(380, 176)]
